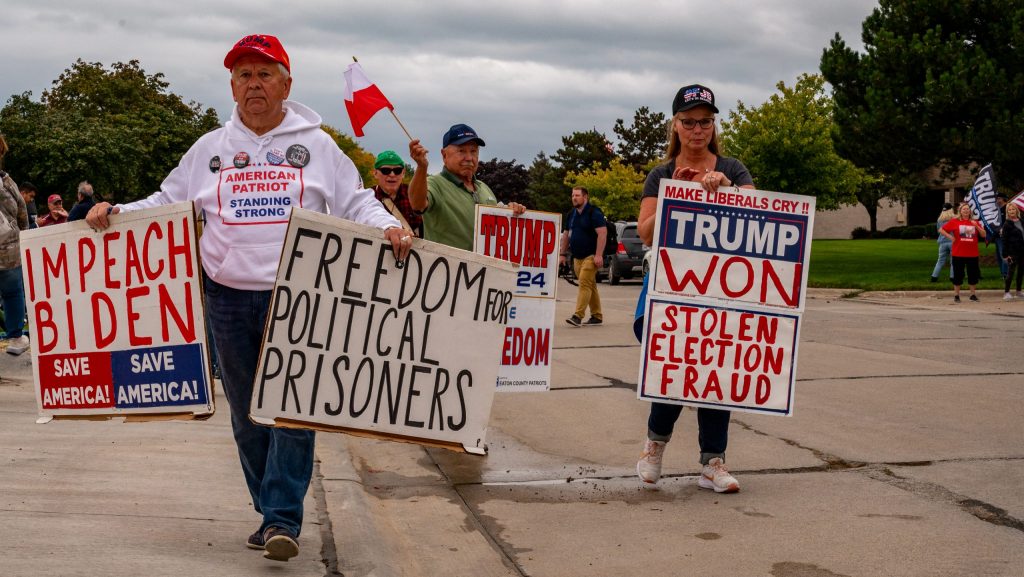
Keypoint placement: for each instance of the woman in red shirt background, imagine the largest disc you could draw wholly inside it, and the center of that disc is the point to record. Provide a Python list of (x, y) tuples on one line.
[(964, 232)]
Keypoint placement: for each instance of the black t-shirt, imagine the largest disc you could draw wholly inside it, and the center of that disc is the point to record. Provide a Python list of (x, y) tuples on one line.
[(730, 167), (582, 227)]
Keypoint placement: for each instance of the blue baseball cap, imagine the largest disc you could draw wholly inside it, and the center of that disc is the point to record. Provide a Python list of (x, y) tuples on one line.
[(459, 134)]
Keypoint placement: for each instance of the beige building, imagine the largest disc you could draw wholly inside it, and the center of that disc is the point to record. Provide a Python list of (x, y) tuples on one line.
[(840, 223)]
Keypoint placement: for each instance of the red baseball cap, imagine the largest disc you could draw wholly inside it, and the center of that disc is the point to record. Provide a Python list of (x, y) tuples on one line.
[(54, 198), (262, 44)]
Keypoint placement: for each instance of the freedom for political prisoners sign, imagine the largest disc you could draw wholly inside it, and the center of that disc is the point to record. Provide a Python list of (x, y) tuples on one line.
[(728, 285), (531, 241), (732, 246), (116, 317), (356, 344)]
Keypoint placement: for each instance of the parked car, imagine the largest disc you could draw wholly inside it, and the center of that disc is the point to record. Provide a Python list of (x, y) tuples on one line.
[(626, 261)]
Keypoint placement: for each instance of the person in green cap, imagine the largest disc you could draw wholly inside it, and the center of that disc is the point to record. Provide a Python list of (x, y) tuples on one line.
[(388, 171)]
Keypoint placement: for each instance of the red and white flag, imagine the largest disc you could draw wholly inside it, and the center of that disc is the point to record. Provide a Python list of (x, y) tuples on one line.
[(1019, 200), (362, 98)]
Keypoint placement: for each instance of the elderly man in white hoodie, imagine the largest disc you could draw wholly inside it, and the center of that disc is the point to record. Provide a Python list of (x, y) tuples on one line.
[(271, 156)]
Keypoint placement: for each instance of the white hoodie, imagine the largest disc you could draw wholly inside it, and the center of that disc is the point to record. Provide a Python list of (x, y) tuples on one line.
[(247, 185)]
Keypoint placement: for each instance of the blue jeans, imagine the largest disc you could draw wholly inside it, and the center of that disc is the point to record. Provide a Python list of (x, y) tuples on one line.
[(712, 428), (945, 246), (277, 463), (12, 290)]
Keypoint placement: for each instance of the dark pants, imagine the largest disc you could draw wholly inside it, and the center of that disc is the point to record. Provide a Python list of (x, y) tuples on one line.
[(12, 290), (1015, 265), (277, 463), (712, 428), (970, 263)]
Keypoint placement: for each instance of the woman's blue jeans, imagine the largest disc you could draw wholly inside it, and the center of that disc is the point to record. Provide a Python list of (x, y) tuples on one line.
[(944, 255), (12, 290), (712, 428), (277, 463)]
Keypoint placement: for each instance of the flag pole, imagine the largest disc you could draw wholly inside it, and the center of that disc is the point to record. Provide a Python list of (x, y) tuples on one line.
[(392, 111)]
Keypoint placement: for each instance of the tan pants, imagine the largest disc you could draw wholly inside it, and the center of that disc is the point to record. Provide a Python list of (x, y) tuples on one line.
[(586, 272)]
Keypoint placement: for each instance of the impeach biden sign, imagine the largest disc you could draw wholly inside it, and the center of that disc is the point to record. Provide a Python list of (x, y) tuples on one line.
[(116, 316)]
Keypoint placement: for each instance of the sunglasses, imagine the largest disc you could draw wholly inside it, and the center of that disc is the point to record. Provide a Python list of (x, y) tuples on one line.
[(388, 171)]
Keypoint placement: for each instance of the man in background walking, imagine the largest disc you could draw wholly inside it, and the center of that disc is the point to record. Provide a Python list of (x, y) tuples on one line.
[(584, 233)]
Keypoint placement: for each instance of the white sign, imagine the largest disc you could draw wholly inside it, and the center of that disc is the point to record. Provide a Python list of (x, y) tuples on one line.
[(531, 241), (117, 317), (728, 284), (708, 356), (356, 344), (732, 246)]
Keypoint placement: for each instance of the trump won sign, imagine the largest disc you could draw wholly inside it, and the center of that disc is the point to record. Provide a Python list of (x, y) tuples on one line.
[(117, 317), (732, 245), (727, 289)]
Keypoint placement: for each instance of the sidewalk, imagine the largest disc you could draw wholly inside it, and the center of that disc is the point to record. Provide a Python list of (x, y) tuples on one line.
[(904, 457)]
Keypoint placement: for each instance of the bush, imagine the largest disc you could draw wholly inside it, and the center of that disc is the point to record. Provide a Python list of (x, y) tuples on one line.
[(893, 232), (915, 231), (860, 233)]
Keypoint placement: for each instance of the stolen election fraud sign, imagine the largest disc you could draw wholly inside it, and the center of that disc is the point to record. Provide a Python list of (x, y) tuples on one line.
[(531, 241), (355, 344), (116, 317), (717, 357)]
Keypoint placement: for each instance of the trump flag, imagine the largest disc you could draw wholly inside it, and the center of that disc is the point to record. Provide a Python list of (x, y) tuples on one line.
[(362, 98), (982, 199)]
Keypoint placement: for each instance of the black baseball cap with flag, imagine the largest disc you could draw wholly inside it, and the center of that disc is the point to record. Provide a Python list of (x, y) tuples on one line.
[(460, 134), (693, 96)]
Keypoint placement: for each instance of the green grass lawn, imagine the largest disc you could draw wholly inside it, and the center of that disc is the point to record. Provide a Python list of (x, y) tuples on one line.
[(888, 264)]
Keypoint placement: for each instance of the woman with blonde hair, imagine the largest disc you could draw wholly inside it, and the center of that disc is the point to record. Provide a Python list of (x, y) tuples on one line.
[(694, 155), (1012, 234), (945, 245), (964, 232)]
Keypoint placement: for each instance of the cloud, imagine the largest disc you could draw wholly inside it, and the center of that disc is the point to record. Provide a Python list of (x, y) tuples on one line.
[(522, 73)]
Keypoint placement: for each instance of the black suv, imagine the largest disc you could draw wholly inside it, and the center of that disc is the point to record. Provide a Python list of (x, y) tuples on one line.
[(624, 254)]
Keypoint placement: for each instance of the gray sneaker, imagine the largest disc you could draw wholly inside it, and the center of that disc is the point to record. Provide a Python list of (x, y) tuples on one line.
[(17, 346)]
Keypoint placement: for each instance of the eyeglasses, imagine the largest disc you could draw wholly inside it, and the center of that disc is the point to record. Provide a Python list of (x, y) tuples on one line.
[(388, 171), (689, 123)]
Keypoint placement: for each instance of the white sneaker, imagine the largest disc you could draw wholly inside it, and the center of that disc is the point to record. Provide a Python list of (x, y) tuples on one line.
[(1019, 295), (1007, 297), (716, 476), (17, 346), (648, 468)]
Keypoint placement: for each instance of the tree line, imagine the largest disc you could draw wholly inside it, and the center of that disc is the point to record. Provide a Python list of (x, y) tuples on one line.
[(939, 84)]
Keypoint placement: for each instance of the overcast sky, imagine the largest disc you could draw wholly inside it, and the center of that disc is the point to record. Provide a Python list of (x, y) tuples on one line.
[(523, 73)]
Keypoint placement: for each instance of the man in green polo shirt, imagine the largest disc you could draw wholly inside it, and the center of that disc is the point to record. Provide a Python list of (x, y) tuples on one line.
[(448, 200)]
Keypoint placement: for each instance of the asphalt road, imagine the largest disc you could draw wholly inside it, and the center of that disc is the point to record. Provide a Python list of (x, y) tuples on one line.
[(905, 456)]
